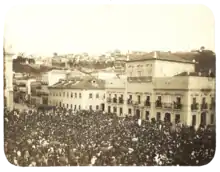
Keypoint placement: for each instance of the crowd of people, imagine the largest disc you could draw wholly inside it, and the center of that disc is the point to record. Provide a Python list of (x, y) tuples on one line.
[(61, 137)]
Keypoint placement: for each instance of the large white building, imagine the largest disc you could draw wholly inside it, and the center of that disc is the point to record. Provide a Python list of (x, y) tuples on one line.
[(165, 87), (77, 94)]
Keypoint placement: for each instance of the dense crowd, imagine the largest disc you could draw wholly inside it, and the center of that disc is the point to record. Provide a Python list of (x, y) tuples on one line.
[(61, 137)]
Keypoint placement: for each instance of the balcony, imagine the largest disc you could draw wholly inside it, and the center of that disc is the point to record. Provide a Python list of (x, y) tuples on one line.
[(121, 101), (177, 106), (114, 100), (204, 106), (158, 104), (167, 105), (108, 100), (194, 106), (147, 103), (129, 101)]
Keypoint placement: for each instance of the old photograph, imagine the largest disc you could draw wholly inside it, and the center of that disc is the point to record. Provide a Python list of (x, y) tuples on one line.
[(109, 85)]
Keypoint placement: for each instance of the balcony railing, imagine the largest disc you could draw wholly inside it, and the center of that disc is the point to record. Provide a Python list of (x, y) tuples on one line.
[(121, 101), (167, 105), (177, 106), (147, 103), (204, 106), (130, 101), (114, 100), (158, 104), (109, 100), (194, 106)]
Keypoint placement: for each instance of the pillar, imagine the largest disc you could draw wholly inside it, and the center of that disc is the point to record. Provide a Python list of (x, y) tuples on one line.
[(8, 72)]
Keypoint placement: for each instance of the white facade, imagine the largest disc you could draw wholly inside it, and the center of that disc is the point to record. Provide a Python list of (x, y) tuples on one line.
[(116, 97), (151, 80), (55, 75), (87, 93)]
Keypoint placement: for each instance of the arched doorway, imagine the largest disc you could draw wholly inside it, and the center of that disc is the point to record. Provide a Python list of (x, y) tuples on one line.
[(138, 114), (203, 118), (167, 117)]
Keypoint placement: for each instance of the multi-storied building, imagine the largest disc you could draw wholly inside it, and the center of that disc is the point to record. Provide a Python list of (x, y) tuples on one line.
[(164, 86), (77, 93), (115, 96)]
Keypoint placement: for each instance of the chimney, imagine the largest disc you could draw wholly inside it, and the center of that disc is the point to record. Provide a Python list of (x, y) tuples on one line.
[(155, 54)]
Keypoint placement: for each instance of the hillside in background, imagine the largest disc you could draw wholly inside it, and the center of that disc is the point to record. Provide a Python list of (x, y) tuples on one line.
[(26, 68), (205, 59)]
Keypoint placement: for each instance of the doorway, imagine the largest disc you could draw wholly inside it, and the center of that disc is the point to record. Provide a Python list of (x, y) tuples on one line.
[(102, 106), (138, 114), (203, 118), (167, 117)]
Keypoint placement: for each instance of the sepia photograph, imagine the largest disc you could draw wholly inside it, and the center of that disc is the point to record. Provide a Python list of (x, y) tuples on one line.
[(109, 85)]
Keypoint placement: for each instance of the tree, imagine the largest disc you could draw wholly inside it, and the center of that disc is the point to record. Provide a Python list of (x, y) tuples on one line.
[(206, 60)]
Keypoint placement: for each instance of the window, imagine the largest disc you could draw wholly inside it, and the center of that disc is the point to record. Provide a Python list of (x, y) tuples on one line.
[(178, 99), (177, 118), (130, 97), (63, 105), (148, 98), (80, 95), (193, 120), (109, 109), (67, 94), (139, 73), (60, 94), (212, 118), (71, 95), (71, 106), (90, 95), (56, 94), (203, 100), (158, 116), (115, 109), (129, 111), (121, 111), (159, 98), (67, 105), (97, 95), (74, 107), (147, 114), (194, 100), (90, 107), (139, 99), (63, 94), (97, 107), (104, 96), (79, 107), (75, 95)]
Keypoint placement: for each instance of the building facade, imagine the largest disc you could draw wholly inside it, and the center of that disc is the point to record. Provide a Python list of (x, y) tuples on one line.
[(166, 89), (115, 96), (78, 94)]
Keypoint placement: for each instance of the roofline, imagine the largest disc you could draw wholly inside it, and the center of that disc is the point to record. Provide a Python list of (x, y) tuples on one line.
[(161, 60), (76, 88)]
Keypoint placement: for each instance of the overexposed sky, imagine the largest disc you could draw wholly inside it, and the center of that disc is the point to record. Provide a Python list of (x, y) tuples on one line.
[(44, 29)]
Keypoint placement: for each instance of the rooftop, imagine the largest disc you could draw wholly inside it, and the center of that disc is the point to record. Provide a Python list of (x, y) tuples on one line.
[(89, 83), (168, 56)]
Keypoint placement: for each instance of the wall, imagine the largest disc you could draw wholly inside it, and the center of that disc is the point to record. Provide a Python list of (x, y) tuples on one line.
[(55, 76), (167, 68), (157, 68)]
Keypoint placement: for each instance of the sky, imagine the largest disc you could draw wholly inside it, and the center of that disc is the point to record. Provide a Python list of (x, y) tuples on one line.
[(45, 29)]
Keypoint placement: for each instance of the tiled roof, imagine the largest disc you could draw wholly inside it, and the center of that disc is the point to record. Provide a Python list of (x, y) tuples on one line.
[(77, 83), (160, 56)]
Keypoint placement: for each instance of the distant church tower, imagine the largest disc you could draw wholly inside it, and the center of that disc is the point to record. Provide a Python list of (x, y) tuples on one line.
[(8, 77)]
